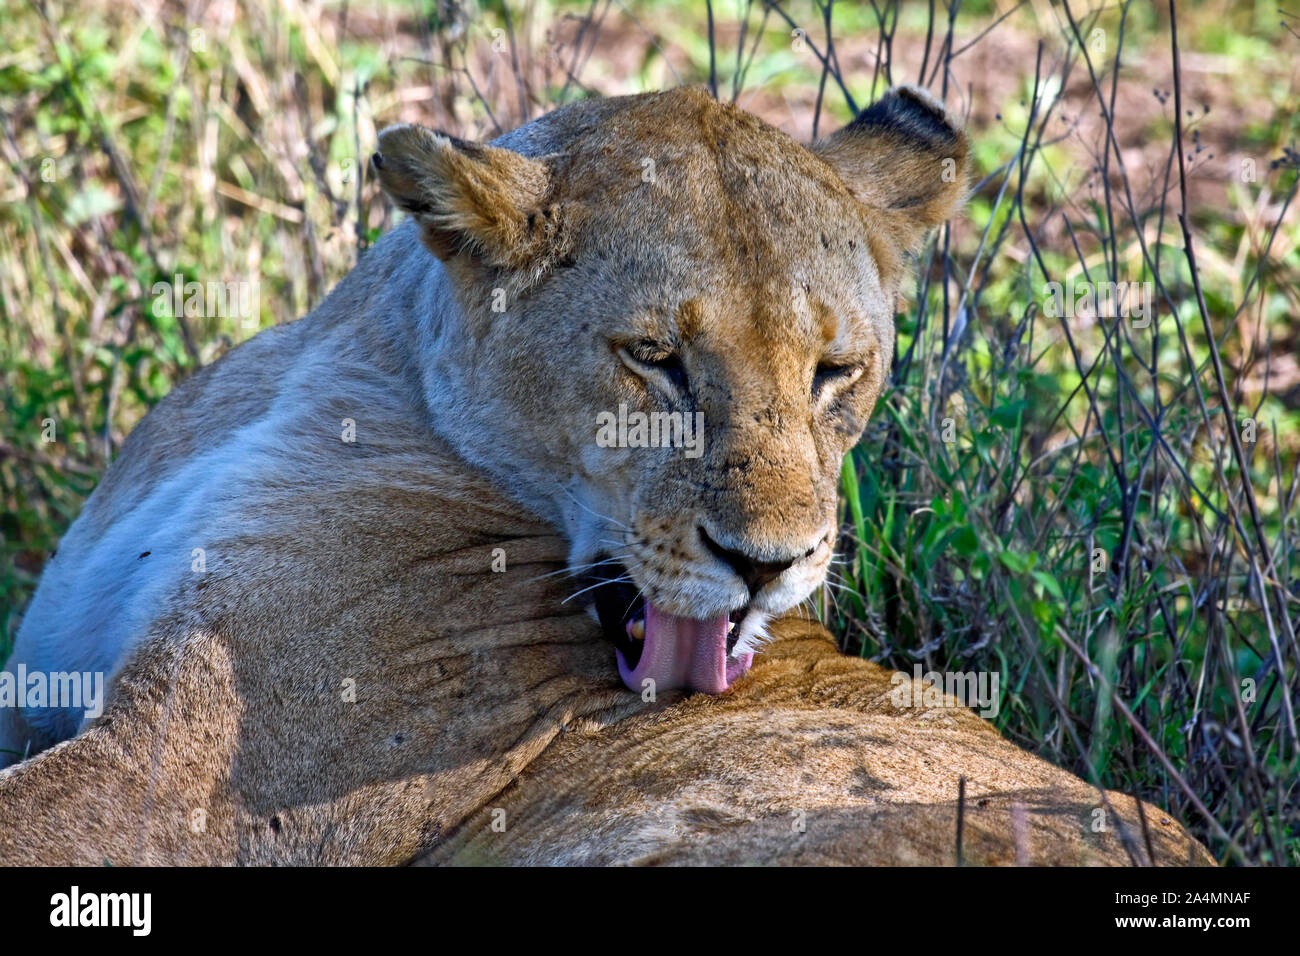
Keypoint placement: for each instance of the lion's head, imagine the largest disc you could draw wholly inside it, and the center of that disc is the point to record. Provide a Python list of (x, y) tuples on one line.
[(671, 322)]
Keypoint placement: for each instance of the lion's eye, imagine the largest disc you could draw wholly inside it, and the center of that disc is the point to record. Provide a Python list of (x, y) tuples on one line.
[(834, 375), (652, 355)]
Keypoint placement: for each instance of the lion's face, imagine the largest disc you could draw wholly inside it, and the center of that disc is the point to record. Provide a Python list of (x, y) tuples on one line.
[(674, 329)]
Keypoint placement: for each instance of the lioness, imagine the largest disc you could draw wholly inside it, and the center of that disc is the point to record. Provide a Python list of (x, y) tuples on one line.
[(321, 575)]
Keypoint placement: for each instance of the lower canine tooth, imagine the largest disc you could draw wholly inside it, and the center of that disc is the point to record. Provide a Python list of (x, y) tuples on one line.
[(637, 630), (731, 626)]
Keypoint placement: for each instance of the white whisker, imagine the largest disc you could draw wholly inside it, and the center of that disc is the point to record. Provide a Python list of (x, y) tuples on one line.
[(594, 514), (576, 569), (625, 579)]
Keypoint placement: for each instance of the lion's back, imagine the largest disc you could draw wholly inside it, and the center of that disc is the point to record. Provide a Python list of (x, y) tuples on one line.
[(211, 458)]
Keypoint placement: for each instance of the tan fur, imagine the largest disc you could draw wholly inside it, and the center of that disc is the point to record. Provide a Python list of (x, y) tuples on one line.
[(351, 681), (806, 762), (230, 741)]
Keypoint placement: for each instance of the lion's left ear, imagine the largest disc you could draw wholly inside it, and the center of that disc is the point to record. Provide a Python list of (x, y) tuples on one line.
[(481, 201), (906, 156)]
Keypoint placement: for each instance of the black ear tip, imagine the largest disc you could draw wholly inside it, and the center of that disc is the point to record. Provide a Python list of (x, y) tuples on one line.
[(908, 112)]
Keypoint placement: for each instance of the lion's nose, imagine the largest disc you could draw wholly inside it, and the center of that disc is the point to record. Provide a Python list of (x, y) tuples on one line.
[(752, 571)]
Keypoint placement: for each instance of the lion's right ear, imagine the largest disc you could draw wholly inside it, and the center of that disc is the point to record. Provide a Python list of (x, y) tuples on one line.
[(905, 156), (470, 199)]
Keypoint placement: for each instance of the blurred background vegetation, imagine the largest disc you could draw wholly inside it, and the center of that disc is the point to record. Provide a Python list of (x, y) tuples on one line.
[(1099, 509)]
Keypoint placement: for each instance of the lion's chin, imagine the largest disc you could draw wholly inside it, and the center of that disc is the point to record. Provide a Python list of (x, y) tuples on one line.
[(682, 652)]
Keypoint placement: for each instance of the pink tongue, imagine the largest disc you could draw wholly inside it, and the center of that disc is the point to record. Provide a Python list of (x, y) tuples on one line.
[(683, 652)]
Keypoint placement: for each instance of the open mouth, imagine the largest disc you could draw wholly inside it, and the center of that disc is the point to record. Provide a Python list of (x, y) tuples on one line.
[(673, 651)]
